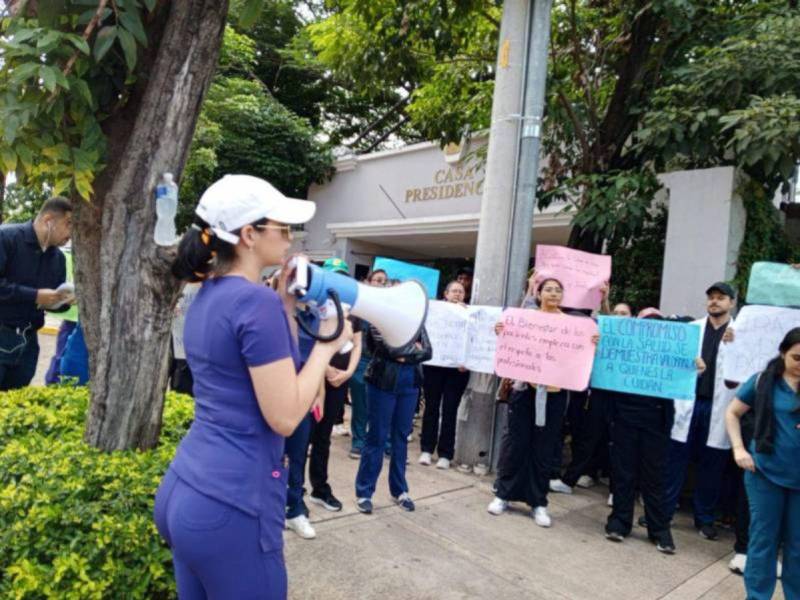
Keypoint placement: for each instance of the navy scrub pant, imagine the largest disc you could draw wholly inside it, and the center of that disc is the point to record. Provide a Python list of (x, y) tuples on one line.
[(774, 522), (443, 390), (296, 450), (391, 416), (710, 467), (216, 549), (358, 407), (19, 353)]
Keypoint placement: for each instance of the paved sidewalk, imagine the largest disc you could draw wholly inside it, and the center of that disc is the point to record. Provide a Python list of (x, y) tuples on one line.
[(451, 548)]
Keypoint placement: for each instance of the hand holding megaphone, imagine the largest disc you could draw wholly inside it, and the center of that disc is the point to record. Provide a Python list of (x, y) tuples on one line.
[(344, 342)]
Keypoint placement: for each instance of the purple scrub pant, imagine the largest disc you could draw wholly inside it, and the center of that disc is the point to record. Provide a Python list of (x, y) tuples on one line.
[(216, 550)]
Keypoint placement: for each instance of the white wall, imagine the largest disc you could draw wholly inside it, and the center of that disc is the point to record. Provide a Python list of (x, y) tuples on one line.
[(704, 231)]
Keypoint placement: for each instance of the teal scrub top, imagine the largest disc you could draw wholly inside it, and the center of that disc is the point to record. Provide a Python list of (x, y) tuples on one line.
[(780, 467)]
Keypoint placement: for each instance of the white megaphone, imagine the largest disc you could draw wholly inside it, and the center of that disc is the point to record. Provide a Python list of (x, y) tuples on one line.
[(398, 313)]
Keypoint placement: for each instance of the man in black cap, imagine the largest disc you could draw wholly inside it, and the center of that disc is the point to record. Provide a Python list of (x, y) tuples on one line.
[(699, 434)]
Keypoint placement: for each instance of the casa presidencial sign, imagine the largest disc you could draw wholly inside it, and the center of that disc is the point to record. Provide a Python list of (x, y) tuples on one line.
[(456, 181)]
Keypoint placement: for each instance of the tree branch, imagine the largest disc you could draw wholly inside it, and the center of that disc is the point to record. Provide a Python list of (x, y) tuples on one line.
[(371, 127), (386, 134), (86, 35)]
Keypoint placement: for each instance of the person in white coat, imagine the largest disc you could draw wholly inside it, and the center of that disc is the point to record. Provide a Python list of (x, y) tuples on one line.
[(698, 434)]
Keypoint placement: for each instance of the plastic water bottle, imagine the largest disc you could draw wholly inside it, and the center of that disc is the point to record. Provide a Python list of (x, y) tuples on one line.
[(166, 209)]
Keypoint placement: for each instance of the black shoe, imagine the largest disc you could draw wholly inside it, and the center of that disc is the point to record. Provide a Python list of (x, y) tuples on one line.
[(664, 543), (642, 522), (709, 532), (364, 505), (405, 502), (327, 501), (614, 536)]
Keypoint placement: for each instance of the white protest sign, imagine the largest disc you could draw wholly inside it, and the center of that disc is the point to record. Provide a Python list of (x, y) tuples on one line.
[(481, 338), (758, 331), (462, 336), (447, 329), (179, 322)]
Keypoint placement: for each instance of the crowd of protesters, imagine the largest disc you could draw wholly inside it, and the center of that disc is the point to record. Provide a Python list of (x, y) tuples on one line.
[(270, 396)]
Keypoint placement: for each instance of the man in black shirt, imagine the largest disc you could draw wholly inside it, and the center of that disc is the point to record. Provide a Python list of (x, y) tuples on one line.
[(706, 442), (31, 269)]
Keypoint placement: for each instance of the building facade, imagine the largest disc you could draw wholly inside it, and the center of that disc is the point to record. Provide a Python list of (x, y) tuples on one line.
[(422, 203)]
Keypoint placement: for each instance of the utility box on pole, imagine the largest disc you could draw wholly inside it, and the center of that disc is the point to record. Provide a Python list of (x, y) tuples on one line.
[(504, 235)]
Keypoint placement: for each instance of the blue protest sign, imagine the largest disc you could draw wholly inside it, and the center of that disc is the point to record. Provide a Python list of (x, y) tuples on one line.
[(774, 284), (647, 356), (397, 269)]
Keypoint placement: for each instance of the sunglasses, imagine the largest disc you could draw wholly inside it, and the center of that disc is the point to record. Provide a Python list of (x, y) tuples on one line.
[(286, 230)]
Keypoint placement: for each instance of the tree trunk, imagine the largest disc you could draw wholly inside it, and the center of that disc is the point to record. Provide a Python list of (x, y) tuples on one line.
[(126, 292)]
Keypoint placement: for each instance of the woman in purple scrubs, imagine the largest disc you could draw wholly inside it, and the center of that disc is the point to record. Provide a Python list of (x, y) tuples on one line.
[(220, 506)]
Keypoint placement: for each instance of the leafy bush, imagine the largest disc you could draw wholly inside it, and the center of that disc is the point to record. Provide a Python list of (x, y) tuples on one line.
[(76, 522)]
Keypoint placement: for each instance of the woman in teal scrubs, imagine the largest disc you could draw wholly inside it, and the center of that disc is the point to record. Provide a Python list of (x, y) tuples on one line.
[(772, 470)]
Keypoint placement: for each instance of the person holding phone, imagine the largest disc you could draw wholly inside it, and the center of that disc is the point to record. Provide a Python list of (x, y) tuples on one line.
[(221, 504)]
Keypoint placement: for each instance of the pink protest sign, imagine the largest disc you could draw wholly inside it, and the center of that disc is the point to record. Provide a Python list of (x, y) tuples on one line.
[(581, 273), (546, 348)]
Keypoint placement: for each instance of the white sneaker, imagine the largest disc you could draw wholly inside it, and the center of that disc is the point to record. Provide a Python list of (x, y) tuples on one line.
[(541, 517), (610, 500), (425, 459), (497, 506), (558, 486), (302, 527), (738, 563), (339, 430), (585, 482), (443, 463)]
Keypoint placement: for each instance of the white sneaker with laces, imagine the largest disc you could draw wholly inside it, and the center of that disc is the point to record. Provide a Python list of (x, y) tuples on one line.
[(585, 482), (302, 527), (558, 486), (541, 517), (738, 563), (338, 430), (425, 459), (443, 463), (497, 506)]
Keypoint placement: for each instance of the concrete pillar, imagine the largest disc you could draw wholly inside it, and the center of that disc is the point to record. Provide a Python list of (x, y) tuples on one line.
[(704, 231)]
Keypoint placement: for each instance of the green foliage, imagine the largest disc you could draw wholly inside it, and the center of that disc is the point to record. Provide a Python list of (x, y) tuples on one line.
[(61, 75), (76, 522), (639, 263), (764, 235), (614, 205), (243, 128), (735, 103), (22, 202)]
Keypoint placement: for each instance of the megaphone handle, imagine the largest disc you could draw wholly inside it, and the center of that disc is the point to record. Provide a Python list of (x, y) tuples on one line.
[(339, 321)]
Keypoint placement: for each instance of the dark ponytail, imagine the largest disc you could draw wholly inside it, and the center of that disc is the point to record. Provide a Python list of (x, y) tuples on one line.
[(764, 420), (202, 253)]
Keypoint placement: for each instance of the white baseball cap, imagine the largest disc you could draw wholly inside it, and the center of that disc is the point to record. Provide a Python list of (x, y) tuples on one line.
[(238, 200)]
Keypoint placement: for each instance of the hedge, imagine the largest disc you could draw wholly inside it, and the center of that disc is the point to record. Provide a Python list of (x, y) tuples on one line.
[(76, 522)]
